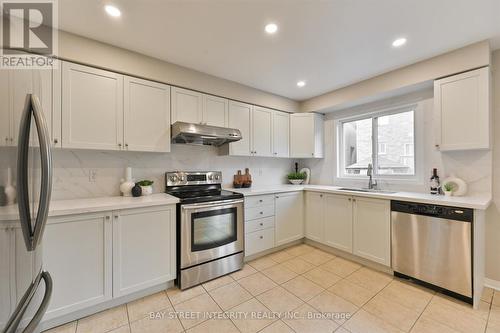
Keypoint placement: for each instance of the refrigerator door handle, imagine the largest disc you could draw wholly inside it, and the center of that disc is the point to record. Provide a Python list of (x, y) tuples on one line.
[(13, 323), (33, 107), (46, 170)]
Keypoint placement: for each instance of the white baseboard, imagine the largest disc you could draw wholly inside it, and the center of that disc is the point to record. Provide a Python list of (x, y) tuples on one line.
[(493, 284)]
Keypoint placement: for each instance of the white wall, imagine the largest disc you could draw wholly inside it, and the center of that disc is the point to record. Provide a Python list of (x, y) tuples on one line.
[(473, 166), (72, 167)]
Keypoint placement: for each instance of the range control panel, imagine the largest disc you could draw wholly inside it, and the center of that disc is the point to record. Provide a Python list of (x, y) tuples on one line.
[(180, 178)]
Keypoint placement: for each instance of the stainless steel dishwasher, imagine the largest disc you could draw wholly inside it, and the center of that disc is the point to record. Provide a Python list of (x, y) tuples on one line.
[(433, 244)]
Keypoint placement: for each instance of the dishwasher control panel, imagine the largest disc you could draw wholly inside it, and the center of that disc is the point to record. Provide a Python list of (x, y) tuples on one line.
[(445, 212)]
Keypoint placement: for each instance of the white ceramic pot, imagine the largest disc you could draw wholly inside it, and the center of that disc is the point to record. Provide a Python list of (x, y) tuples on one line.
[(147, 190), (448, 193), (296, 181)]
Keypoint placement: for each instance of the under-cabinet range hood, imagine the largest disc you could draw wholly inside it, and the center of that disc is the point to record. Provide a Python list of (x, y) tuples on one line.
[(197, 134)]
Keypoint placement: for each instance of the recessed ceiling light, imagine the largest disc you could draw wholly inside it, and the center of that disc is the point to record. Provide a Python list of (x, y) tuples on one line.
[(112, 11), (271, 28), (301, 84), (399, 42)]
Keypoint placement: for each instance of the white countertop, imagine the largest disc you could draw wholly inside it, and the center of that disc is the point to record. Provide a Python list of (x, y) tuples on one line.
[(474, 202), (91, 205)]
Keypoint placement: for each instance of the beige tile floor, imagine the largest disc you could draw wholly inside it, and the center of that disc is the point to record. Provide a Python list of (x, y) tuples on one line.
[(299, 289)]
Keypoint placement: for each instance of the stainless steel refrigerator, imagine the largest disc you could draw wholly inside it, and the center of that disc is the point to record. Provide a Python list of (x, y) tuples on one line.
[(25, 190)]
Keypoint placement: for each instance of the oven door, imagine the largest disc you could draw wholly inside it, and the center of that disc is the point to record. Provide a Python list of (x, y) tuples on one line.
[(210, 231)]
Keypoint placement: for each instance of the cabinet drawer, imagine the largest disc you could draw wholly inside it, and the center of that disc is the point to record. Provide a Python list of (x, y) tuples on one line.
[(259, 224), (259, 241), (258, 212), (259, 200)]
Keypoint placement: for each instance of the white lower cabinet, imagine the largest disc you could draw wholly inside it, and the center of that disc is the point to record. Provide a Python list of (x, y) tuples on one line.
[(259, 224), (77, 253), (338, 221), (315, 213), (357, 225), (143, 250), (289, 217), (372, 229), (97, 257)]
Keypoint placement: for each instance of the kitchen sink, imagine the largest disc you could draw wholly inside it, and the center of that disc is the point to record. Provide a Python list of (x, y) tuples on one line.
[(367, 190)]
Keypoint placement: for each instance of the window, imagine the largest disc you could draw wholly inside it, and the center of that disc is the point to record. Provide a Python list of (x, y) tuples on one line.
[(390, 135)]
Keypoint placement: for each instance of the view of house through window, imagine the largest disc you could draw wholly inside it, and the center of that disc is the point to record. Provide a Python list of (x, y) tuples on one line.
[(392, 138)]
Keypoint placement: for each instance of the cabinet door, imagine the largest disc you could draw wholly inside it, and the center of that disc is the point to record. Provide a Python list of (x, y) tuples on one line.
[(462, 111), (215, 111), (147, 115), (289, 217), (301, 136), (21, 84), (239, 118), (372, 229), (77, 253), (143, 248), (4, 108), (6, 274), (92, 108), (262, 131), (281, 133), (187, 106), (315, 216), (338, 222)]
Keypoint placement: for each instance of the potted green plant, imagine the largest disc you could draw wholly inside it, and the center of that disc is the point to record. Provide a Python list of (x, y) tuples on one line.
[(448, 189), (146, 186), (296, 178)]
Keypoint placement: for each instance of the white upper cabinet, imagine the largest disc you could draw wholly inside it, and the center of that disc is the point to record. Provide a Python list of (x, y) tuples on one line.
[(289, 217), (5, 114), (92, 103), (281, 134), (239, 117), (372, 229), (215, 111), (262, 131), (338, 222), (197, 108), (187, 106), (306, 135), (462, 111), (147, 115)]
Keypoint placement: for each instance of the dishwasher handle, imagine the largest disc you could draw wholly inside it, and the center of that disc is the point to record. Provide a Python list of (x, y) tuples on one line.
[(438, 211)]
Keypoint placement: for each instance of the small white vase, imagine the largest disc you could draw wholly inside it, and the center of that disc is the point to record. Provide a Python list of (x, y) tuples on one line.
[(10, 191), (296, 181), (127, 184), (147, 190), (448, 193)]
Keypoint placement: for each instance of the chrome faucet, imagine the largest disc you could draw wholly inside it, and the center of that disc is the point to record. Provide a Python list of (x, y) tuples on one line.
[(372, 184)]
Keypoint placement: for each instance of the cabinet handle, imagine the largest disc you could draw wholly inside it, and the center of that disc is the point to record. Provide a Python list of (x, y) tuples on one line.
[(354, 200), (321, 195), (120, 145), (261, 224), (116, 216), (275, 153), (261, 237), (6, 139), (312, 154), (108, 217), (260, 200), (126, 145), (11, 139), (261, 213), (56, 141)]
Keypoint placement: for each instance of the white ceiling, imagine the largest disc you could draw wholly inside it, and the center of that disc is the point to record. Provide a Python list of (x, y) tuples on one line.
[(327, 43)]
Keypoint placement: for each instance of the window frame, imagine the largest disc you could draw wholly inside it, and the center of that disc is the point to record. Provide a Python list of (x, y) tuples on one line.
[(374, 115)]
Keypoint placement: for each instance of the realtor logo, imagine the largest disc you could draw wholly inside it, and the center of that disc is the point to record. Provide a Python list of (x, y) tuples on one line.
[(29, 33)]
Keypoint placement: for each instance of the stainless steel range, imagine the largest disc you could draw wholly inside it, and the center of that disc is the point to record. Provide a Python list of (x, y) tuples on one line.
[(209, 227)]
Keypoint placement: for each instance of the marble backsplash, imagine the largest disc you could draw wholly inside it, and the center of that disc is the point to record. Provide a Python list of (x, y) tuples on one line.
[(74, 169)]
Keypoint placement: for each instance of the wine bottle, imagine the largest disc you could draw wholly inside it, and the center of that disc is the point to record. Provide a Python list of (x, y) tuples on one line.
[(435, 185)]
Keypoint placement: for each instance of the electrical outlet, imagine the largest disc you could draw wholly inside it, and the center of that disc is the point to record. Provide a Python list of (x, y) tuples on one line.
[(92, 175)]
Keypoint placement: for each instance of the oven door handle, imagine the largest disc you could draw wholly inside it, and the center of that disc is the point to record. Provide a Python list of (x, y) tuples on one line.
[(211, 205)]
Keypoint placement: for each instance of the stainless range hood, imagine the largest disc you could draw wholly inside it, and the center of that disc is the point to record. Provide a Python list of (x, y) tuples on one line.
[(197, 134)]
